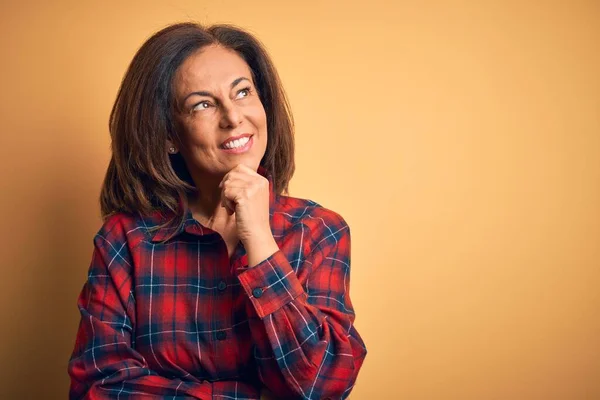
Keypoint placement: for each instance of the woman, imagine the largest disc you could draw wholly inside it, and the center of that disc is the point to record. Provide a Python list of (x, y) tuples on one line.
[(206, 281)]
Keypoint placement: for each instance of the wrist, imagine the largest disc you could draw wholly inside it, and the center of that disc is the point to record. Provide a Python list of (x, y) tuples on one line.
[(259, 248), (257, 238)]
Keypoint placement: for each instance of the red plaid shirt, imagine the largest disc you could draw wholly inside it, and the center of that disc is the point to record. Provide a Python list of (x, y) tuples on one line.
[(182, 319)]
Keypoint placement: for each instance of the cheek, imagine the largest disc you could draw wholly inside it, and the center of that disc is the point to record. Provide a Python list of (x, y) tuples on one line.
[(259, 116), (199, 134), (264, 118)]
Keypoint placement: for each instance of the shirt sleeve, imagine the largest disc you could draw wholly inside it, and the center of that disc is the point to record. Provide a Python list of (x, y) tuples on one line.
[(104, 364), (307, 317)]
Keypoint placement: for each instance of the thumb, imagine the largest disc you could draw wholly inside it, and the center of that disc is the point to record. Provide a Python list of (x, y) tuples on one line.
[(228, 204)]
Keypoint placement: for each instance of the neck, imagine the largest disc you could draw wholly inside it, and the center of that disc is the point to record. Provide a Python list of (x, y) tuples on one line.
[(205, 203)]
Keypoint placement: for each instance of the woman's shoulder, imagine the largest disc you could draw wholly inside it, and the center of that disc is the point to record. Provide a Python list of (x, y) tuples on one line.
[(123, 227), (308, 212)]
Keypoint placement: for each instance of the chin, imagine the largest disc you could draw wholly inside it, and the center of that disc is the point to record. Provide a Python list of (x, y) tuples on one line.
[(250, 162)]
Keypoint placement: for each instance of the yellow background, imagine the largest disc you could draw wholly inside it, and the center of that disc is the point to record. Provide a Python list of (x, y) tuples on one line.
[(459, 139)]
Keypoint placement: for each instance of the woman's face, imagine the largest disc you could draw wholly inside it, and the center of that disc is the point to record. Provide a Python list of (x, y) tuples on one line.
[(221, 122)]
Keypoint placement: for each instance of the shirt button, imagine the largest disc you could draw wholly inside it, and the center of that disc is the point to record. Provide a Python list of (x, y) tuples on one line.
[(221, 335), (222, 286), (257, 292)]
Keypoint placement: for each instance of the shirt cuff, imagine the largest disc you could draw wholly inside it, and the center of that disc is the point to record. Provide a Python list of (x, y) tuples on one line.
[(271, 284)]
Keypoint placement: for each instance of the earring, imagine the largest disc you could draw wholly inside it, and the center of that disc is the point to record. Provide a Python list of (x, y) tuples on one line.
[(172, 150)]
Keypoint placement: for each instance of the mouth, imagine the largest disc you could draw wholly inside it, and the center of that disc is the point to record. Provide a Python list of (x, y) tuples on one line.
[(238, 144)]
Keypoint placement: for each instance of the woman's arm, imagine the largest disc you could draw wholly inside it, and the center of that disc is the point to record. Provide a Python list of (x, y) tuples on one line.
[(104, 364), (307, 316)]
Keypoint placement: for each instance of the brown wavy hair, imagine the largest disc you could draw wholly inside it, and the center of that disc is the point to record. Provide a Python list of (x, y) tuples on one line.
[(141, 176)]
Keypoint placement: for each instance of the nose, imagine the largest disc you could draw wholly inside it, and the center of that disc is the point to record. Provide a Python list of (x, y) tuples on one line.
[(231, 116)]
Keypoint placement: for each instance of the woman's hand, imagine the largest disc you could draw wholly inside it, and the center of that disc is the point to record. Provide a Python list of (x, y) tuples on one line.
[(246, 193)]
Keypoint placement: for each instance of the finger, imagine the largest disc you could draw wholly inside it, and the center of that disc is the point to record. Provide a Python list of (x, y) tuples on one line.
[(229, 207), (240, 189), (234, 193), (235, 184), (225, 178), (229, 210), (232, 175), (228, 175), (239, 182), (228, 203), (243, 168)]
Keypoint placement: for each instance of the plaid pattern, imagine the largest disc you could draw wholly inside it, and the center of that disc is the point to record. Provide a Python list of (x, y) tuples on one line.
[(180, 319)]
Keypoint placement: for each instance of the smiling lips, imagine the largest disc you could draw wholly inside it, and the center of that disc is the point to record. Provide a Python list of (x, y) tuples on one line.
[(238, 144)]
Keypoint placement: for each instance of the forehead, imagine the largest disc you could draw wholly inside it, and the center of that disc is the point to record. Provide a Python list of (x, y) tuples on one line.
[(211, 67)]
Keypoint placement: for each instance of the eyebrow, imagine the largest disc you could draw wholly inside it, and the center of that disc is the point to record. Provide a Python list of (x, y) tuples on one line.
[(209, 94)]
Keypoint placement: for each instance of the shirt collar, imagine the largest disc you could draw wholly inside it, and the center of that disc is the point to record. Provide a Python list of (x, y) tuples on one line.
[(190, 225)]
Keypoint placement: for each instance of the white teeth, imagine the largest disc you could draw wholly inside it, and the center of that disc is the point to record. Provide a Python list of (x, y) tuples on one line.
[(234, 144)]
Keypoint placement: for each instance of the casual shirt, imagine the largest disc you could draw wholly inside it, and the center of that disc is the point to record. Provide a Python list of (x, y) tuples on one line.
[(181, 319)]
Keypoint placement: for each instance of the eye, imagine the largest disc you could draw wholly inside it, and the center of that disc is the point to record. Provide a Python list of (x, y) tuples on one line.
[(203, 105), (245, 92)]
